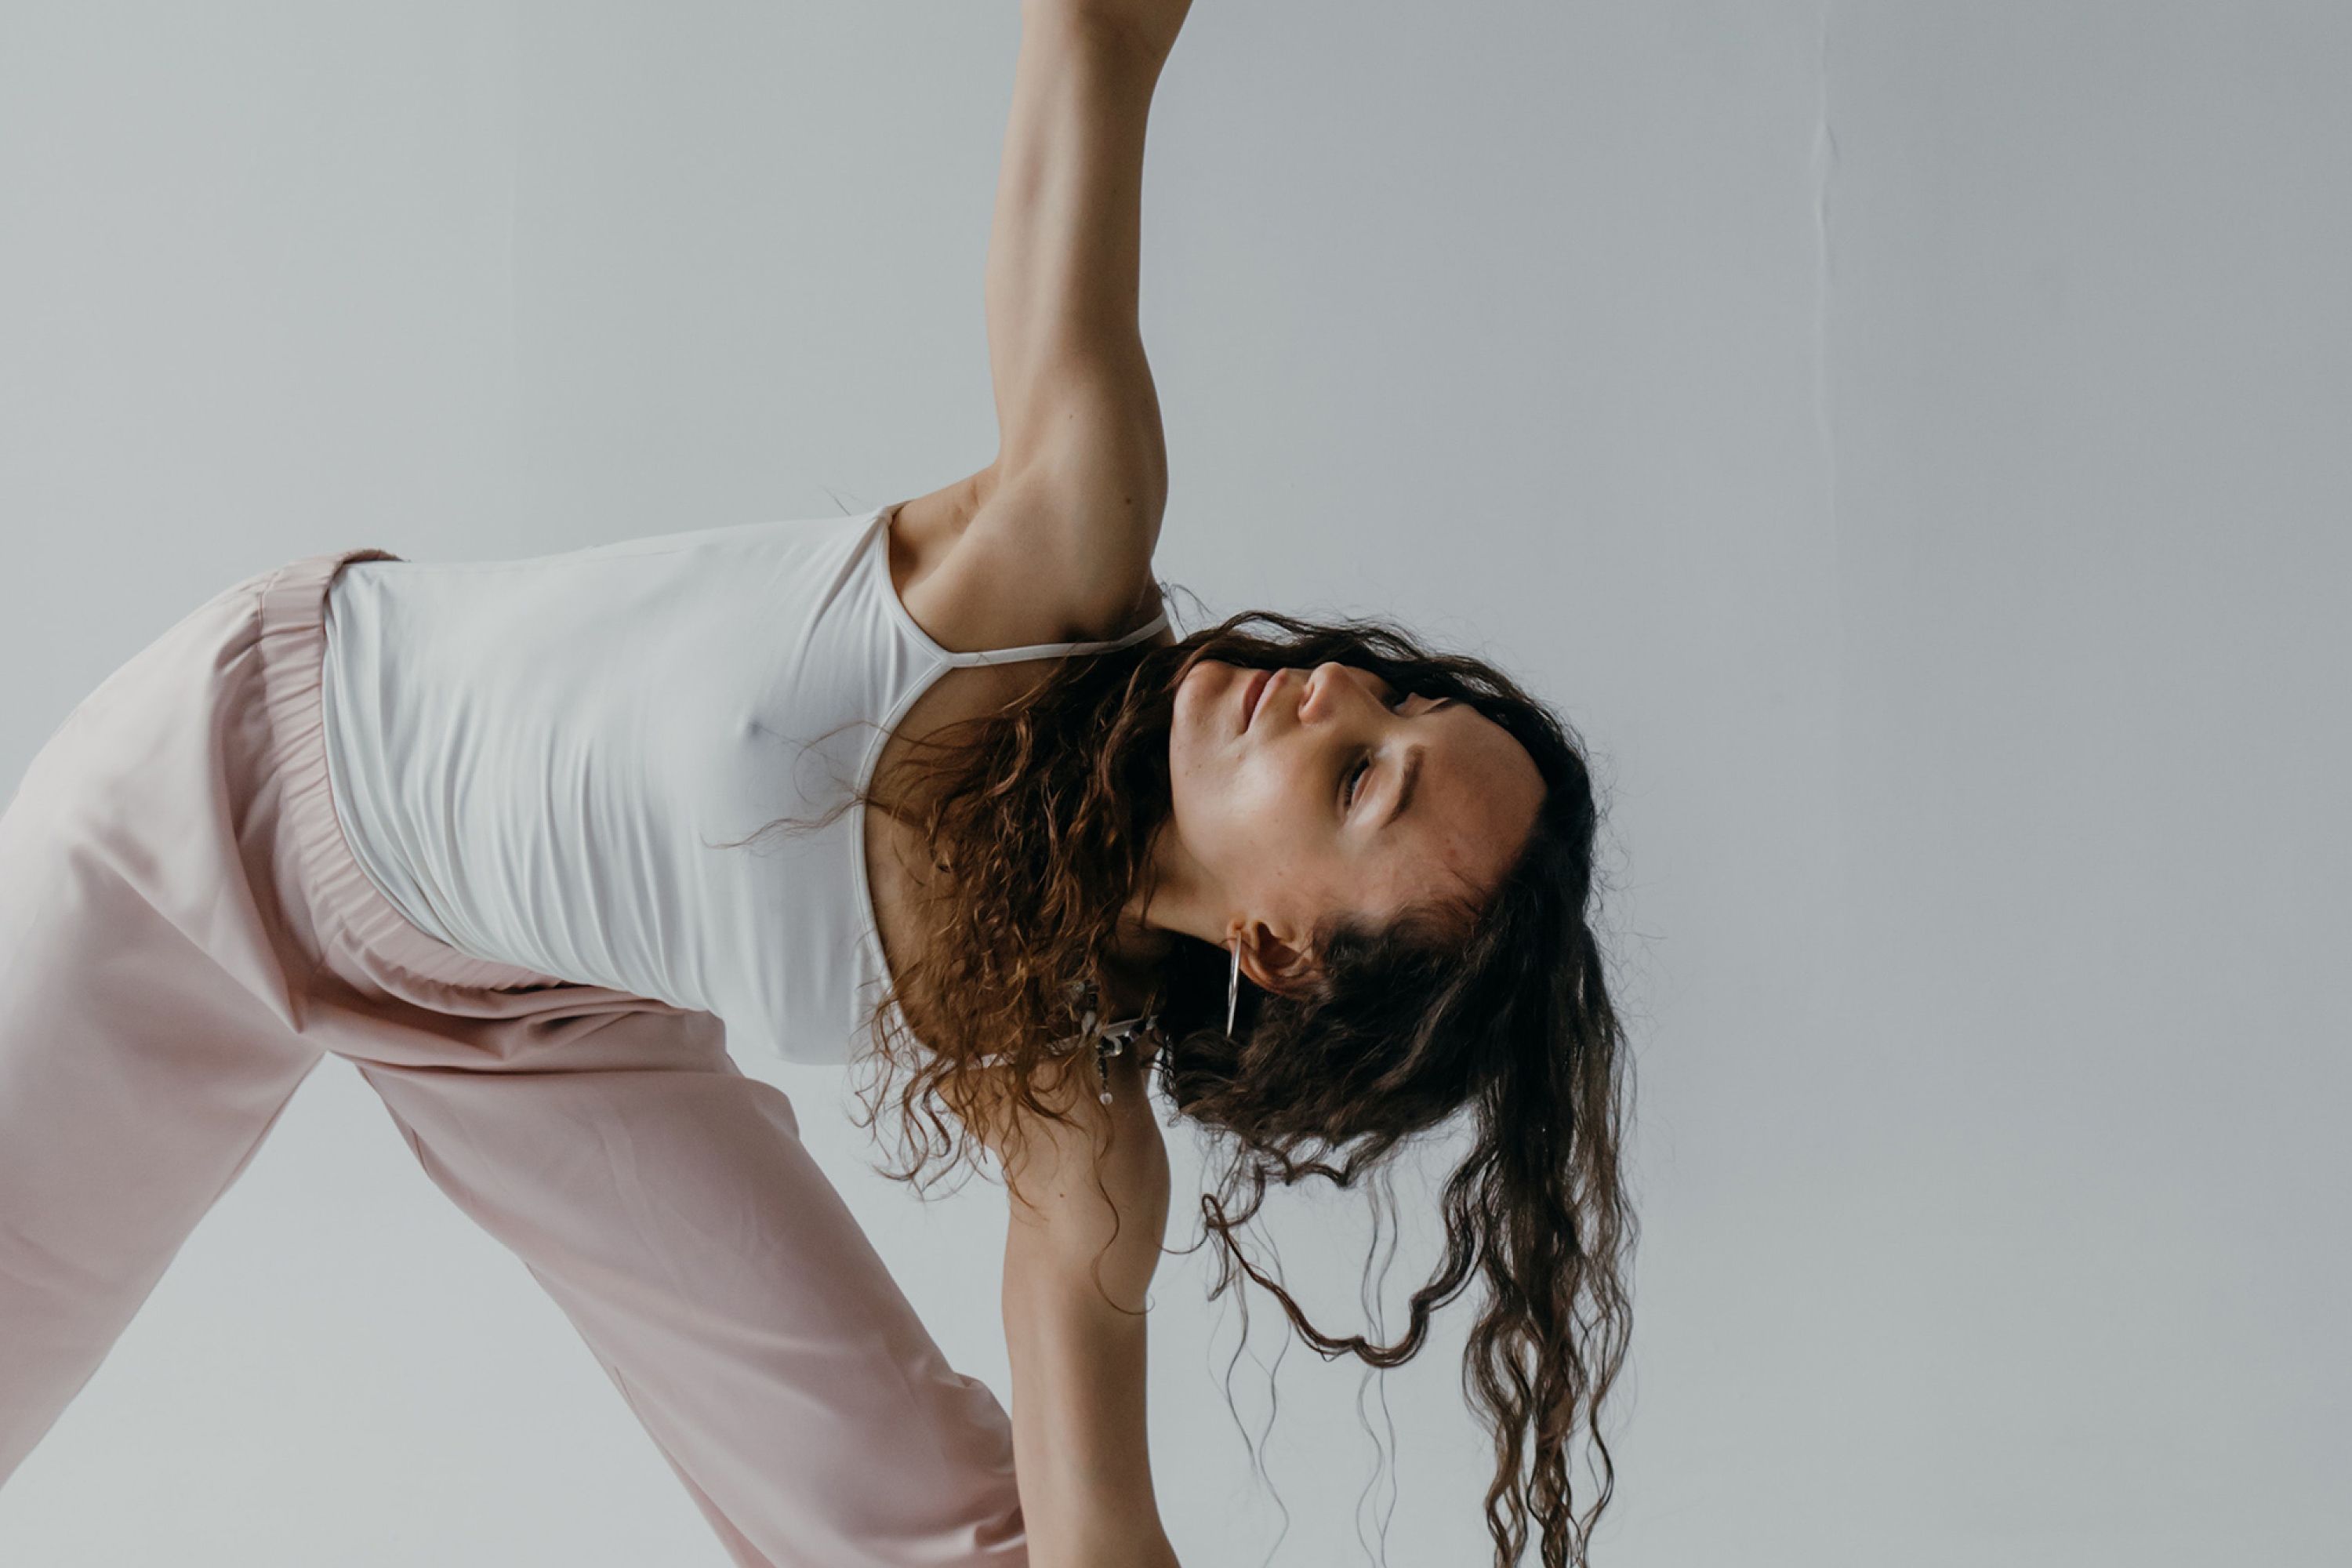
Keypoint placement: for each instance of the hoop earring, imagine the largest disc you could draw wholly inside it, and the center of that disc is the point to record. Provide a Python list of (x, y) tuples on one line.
[(1234, 988)]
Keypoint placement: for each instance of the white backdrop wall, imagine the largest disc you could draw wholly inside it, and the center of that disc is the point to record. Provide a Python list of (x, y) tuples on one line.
[(1909, 441)]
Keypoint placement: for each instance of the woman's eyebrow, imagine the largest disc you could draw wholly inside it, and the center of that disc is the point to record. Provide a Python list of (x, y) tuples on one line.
[(1411, 771), (1404, 790)]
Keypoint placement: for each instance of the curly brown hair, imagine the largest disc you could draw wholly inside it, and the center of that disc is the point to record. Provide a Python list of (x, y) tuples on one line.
[(1043, 816)]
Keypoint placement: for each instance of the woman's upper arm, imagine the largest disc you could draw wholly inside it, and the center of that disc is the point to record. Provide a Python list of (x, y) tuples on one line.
[(1066, 236), (1088, 1196), (1083, 566)]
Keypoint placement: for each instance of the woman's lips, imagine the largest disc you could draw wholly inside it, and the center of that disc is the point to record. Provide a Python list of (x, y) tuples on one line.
[(1252, 692)]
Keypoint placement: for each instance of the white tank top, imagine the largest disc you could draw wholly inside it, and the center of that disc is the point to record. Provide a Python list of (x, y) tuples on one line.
[(539, 761)]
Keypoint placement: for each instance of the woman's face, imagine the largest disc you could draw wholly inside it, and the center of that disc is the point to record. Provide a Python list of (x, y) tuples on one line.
[(1292, 801)]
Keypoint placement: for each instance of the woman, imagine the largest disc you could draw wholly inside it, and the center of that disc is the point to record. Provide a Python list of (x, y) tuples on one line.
[(530, 843)]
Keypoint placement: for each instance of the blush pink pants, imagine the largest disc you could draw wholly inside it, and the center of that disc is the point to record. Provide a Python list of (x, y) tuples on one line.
[(185, 933)]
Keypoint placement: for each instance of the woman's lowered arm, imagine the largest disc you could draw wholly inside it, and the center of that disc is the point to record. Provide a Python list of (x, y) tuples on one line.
[(1080, 1247)]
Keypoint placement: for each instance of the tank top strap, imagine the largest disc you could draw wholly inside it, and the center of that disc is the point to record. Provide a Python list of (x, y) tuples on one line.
[(1062, 649)]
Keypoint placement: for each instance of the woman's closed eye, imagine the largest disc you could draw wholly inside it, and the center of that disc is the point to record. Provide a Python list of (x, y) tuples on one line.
[(1355, 775)]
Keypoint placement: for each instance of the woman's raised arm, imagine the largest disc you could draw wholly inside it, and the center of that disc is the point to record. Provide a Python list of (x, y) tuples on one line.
[(1082, 458)]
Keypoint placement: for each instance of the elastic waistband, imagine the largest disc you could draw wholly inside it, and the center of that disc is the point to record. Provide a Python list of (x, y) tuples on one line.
[(347, 906)]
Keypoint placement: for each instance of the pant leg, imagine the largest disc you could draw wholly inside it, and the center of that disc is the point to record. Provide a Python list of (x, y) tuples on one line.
[(665, 1200), (139, 1067)]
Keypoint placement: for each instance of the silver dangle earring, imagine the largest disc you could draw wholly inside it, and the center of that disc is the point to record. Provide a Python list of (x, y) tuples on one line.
[(1234, 988)]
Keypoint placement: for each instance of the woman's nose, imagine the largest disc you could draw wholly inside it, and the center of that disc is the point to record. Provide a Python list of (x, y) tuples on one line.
[(1319, 680)]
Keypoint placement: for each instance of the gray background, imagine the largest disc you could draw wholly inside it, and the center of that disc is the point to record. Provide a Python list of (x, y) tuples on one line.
[(1910, 441)]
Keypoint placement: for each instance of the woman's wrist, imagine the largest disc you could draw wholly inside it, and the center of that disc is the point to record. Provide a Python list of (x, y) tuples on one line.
[(1146, 29)]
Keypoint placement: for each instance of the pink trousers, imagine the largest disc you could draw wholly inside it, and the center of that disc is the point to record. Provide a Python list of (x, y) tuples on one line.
[(185, 933)]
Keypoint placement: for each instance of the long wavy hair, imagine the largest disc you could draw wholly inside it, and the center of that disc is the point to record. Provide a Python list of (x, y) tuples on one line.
[(1042, 817)]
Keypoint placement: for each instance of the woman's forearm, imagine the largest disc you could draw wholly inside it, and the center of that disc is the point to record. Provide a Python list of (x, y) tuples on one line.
[(1080, 1442)]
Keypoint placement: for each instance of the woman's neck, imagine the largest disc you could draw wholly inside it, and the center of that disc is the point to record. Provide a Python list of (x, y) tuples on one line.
[(1132, 969)]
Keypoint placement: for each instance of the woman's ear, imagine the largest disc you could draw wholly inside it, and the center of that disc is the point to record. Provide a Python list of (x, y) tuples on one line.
[(1272, 962)]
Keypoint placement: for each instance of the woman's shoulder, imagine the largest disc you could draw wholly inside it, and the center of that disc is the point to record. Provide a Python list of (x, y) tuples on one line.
[(983, 567)]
